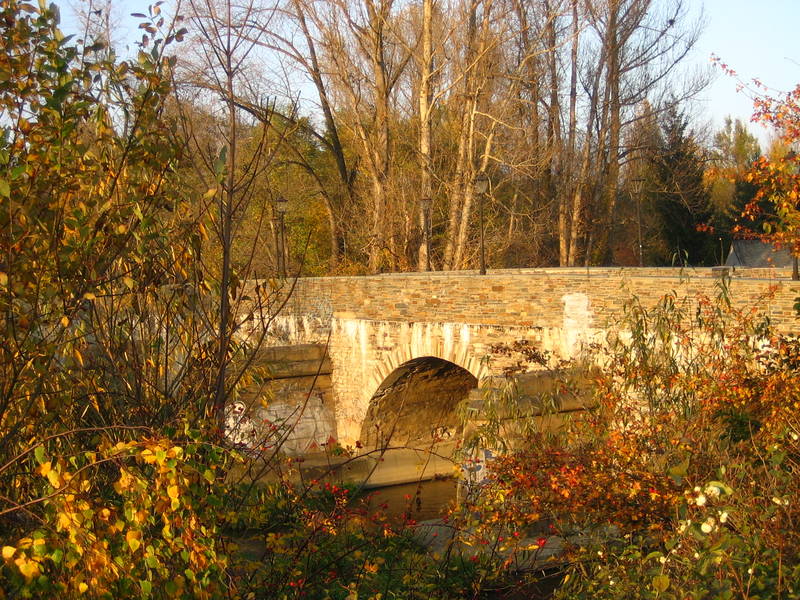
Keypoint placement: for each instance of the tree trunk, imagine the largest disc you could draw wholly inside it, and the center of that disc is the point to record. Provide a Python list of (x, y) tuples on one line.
[(378, 143), (569, 186), (601, 253), (332, 140), (426, 68)]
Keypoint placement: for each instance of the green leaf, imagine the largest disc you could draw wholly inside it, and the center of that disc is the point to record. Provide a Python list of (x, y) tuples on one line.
[(722, 486), (5, 189), (38, 453), (777, 458), (147, 587), (655, 554), (678, 472), (660, 583)]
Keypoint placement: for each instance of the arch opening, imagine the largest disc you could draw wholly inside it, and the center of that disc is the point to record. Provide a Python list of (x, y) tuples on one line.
[(415, 406)]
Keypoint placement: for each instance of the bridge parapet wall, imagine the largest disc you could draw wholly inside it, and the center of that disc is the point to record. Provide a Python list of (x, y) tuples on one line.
[(373, 324), (529, 297)]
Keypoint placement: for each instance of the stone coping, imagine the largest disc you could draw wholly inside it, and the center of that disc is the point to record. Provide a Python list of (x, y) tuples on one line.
[(753, 273)]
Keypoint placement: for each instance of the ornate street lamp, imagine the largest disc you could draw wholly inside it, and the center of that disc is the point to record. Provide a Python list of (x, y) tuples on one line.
[(480, 186), (280, 234)]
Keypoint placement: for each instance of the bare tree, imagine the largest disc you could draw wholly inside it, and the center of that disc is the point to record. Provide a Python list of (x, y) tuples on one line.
[(425, 122), (411, 101), (231, 163), (643, 44)]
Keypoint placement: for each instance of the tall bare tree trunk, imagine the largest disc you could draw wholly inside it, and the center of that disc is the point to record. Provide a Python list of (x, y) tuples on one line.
[(569, 186), (466, 175), (554, 142), (582, 179), (426, 68), (335, 202), (226, 207), (602, 251), (460, 196), (380, 135)]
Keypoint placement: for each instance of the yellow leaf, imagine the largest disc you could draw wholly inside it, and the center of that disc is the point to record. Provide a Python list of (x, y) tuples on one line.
[(132, 537), (44, 468), (82, 587), (173, 491), (8, 552), (54, 478), (89, 296), (65, 321), (64, 521), (124, 482), (210, 193), (3, 279), (122, 228), (28, 568), (78, 356), (175, 452)]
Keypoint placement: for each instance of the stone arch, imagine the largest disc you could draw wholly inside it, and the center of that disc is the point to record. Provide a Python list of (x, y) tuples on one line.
[(446, 341), (415, 405)]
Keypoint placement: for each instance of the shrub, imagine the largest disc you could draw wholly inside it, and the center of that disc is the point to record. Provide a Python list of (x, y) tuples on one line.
[(681, 484)]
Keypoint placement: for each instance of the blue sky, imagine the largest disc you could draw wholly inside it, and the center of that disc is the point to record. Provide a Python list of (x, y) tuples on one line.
[(756, 38)]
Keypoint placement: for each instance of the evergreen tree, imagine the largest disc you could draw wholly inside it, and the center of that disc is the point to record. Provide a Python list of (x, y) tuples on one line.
[(680, 196), (734, 151)]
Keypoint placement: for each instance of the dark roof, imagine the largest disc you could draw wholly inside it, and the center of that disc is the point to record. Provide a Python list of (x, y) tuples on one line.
[(755, 253)]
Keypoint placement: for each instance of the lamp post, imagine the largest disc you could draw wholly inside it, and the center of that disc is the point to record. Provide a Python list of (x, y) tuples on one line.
[(426, 226), (637, 188), (280, 234), (480, 186)]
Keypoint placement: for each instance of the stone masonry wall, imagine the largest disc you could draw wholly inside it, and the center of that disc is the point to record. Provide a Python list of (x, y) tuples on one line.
[(526, 297), (292, 406), (374, 324)]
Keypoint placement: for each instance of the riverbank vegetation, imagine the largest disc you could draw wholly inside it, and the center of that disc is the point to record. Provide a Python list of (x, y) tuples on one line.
[(126, 234), (680, 484)]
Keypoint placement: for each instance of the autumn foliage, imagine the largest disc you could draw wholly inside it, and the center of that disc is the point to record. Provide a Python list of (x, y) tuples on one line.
[(680, 484), (116, 483), (776, 179)]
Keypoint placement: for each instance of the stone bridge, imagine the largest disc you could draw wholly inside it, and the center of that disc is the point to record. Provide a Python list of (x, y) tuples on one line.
[(405, 349)]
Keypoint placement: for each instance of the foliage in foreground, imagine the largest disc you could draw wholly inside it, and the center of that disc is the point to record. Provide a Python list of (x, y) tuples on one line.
[(683, 482), (113, 479)]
